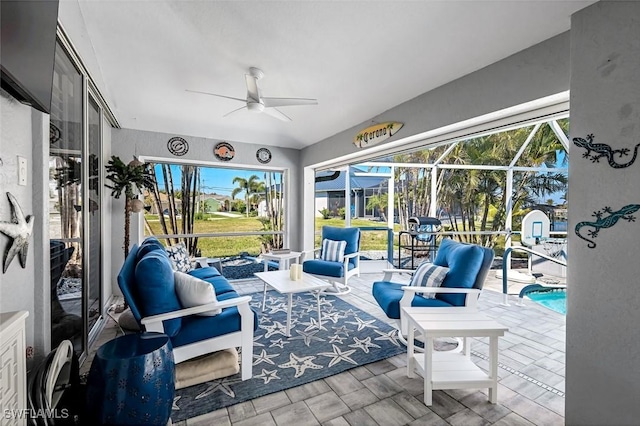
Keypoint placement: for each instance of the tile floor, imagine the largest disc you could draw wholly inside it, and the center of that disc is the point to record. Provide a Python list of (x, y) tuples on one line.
[(531, 378)]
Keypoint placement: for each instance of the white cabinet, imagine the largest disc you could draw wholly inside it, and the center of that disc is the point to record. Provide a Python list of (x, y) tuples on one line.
[(13, 368)]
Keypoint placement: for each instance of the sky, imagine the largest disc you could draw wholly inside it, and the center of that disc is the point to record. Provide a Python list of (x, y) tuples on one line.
[(220, 180), (214, 180)]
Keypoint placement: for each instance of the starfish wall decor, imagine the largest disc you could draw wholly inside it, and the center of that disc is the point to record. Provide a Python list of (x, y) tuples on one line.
[(19, 229)]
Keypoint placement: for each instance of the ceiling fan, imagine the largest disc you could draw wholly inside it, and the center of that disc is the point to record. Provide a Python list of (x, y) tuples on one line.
[(257, 103)]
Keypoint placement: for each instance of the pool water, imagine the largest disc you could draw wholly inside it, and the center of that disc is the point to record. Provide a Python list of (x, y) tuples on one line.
[(555, 300)]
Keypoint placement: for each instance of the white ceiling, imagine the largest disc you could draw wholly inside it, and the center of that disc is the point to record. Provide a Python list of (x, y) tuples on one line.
[(358, 58)]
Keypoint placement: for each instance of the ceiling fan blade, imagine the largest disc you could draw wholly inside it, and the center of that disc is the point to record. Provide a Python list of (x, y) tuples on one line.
[(213, 94), (278, 102), (234, 111), (253, 93), (275, 112)]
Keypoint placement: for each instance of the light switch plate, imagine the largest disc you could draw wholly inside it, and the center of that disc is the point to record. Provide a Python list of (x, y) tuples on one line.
[(22, 171)]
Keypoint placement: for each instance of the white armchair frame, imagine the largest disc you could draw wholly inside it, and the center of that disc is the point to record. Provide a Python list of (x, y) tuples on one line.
[(242, 338), (470, 302)]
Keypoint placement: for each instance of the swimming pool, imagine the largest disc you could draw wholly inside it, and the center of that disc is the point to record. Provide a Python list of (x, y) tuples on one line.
[(553, 299)]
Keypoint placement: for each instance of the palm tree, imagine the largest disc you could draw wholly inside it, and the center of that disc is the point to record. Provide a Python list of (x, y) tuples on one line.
[(248, 186), (125, 179)]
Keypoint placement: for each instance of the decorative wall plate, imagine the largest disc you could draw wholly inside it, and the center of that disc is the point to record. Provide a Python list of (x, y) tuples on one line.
[(263, 155), (224, 151), (178, 146)]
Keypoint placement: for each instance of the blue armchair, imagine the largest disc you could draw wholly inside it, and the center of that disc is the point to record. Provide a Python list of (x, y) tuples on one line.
[(336, 269), (147, 283), (468, 266)]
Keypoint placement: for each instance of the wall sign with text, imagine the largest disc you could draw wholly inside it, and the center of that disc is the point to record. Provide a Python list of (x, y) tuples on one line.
[(377, 133)]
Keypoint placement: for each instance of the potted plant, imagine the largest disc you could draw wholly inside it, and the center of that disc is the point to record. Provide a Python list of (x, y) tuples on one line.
[(125, 178)]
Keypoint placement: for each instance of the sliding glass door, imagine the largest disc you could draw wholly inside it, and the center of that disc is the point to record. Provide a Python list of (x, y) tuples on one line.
[(75, 165)]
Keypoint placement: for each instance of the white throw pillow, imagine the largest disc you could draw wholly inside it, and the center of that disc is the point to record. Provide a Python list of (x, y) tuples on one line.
[(179, 257), (193, 291), (333, 251), (429, 275)]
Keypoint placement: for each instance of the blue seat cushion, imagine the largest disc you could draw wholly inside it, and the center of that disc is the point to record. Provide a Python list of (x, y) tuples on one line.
[(197, 328), (155, 289), (388, 296), (220, 284), (464, 262), (204, 273), (324, 267)]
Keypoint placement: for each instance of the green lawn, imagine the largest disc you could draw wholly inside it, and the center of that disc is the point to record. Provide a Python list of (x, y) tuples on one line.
[(231, 246)]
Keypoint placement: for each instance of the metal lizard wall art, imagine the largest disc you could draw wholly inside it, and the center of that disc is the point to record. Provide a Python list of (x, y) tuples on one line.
[(604, 150), (607, 221)]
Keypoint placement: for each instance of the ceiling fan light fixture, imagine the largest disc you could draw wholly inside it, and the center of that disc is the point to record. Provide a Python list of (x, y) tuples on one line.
[(255, 107)]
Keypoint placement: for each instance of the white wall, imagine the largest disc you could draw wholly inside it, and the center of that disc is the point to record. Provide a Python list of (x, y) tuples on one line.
[(20, 131), (603, 306)]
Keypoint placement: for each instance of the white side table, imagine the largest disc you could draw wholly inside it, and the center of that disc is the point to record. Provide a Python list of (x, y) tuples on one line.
[(447, 370), (283, 259)]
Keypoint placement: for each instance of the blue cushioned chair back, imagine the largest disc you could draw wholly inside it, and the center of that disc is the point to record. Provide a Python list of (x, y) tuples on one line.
[(127, 282), (469, 265), (350, 235)]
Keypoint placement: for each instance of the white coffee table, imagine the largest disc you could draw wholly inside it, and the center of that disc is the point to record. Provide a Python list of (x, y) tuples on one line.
[(284, 259), (280, 281), (449, 370)]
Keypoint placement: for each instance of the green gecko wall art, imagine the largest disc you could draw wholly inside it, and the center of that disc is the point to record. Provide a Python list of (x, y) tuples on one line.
[(605, 218)]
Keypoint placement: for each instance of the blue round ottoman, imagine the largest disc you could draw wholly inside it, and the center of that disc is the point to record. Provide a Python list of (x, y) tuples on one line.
[(131, 381)]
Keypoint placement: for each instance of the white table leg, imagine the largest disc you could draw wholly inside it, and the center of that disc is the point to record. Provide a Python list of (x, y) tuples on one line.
[(290, 295), (493, 369), (266, 264), (264, 295), (411, 360), (319, 315), (428, 371)]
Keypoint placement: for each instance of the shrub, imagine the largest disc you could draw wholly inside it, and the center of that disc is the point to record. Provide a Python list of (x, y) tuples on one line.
[(325, 212)]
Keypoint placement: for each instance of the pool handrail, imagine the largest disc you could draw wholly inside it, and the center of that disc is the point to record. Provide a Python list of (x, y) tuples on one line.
[(505, 282)]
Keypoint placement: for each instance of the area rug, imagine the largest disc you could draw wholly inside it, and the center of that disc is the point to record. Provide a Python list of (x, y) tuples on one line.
[(347, 338)]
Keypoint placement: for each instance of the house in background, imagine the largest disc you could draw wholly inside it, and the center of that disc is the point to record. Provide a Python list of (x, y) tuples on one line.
[(330, 192)]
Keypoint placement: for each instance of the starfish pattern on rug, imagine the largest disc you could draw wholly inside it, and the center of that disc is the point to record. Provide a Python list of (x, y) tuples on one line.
[(264, 357), (268, 375), (262, 320), (336, 338), (342, 330), (363, 344), (313, 324), (300, 364), (279, 343), (276, 328), (391, 336), (307, 336), (256, 341), (337, 355), (278, 307), (332, 316), (298, 361), (223, 385), (362, 323), (175, 402)]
